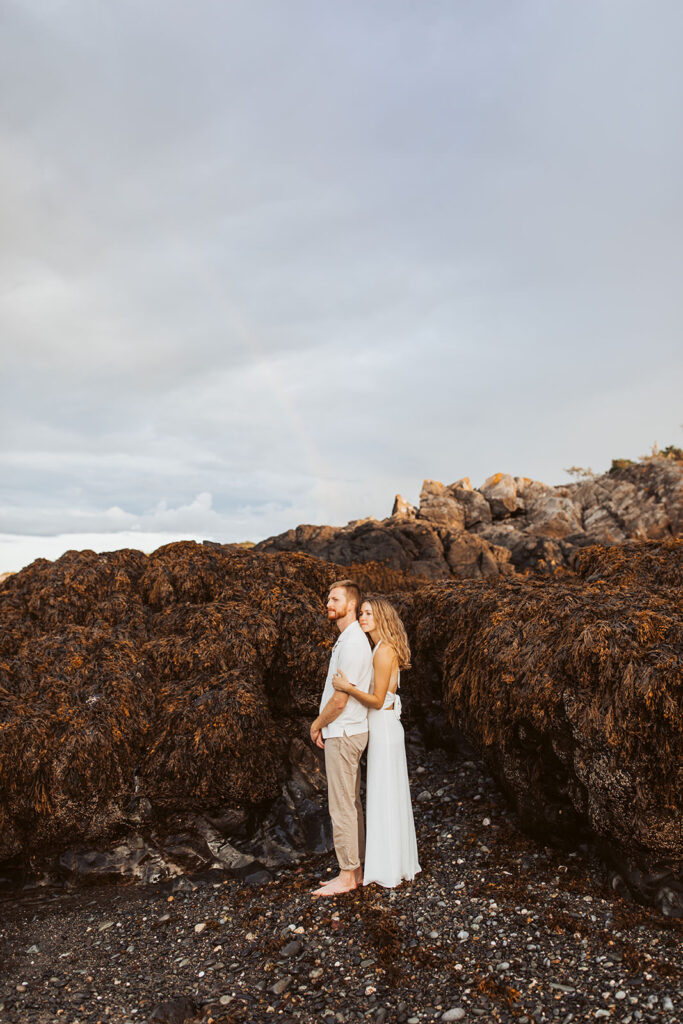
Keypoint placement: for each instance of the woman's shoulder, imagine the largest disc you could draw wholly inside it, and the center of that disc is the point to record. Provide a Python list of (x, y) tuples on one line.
[(384, 653)]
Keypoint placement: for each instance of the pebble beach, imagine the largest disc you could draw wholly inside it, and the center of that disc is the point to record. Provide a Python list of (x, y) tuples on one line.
[(496, 927)]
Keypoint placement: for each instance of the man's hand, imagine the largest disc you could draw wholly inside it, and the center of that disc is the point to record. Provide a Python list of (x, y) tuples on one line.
[(316, 735)]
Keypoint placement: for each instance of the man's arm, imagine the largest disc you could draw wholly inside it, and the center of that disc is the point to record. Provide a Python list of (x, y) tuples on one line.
[(332, 710), (351, 661)]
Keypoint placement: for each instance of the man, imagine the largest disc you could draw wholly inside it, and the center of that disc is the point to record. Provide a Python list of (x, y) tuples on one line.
[(341, 729)]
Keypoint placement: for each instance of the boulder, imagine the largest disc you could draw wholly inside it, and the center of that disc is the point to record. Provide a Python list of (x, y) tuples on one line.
[(616, 508), (522, 482), (475, 507), (471, 557), (403, 509), (439, 506), (500, 491), (551, 513)]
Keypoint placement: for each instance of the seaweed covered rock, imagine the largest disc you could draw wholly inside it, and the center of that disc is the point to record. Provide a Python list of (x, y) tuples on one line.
[(169, 696), (572, 689), (132, 682)]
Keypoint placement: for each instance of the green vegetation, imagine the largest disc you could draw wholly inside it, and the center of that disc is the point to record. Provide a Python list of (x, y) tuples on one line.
[(620, 464)]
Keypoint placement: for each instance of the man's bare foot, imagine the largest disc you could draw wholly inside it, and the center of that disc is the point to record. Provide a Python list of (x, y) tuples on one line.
[(326, 881), (357, 873), (335, 888), (344, 882)]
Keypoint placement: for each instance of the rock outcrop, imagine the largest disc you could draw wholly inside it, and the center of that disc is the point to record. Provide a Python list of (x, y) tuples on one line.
[(404, 542), (508, 524)]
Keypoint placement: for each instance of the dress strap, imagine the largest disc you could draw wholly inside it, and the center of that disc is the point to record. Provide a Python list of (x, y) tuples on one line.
[(376, 648)]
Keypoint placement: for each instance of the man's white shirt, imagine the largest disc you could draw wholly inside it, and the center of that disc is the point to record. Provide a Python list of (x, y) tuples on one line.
[(352, 655)]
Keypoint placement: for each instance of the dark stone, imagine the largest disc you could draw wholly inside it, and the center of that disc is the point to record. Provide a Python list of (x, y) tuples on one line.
[(176, 1010), (260, 877)]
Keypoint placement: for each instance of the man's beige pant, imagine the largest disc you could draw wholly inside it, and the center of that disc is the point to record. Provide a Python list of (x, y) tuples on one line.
[(342, 766)]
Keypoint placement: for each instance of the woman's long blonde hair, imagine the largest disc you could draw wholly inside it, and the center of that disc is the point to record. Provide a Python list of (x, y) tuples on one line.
[(390, 628)]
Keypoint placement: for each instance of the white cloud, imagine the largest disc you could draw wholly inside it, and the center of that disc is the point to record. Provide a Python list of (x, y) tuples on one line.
[(17, 550)]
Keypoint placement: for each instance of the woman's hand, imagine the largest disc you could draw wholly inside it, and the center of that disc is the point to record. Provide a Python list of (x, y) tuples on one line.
[(340, 682)]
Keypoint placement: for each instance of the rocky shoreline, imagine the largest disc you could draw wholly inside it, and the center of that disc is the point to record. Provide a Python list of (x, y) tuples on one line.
[(496, 927), (154, 719)]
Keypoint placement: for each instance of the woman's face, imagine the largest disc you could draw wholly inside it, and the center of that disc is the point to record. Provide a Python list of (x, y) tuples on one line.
[(366, 618)]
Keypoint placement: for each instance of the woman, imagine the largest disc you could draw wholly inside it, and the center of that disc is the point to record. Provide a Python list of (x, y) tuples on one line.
[(391, 847)]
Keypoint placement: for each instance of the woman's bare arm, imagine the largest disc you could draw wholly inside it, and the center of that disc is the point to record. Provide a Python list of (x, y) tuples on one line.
[(383, 664)]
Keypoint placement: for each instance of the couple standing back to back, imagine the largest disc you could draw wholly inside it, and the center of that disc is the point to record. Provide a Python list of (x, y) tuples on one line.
[(361, 707)]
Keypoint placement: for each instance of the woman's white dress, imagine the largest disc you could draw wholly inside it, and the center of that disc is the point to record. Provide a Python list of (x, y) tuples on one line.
[(390, 843)]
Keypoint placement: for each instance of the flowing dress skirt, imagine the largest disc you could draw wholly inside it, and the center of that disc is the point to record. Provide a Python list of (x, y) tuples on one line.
[(390, 844)]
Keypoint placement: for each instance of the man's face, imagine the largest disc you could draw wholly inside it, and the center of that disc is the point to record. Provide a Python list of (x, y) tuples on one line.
[(337, 604)]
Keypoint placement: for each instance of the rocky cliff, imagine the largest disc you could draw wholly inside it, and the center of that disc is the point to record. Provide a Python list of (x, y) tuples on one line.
[(508, 524)]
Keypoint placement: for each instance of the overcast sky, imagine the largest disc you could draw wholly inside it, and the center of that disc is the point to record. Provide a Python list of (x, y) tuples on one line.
[(266, 263)]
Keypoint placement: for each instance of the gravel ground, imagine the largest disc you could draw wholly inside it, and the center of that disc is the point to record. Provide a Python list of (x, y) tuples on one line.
[(495, 928)]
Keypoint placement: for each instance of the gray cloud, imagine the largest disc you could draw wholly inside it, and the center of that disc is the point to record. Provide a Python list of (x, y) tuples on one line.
[(297, 257)]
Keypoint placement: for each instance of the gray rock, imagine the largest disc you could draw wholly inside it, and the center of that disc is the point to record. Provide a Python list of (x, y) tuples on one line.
[(281, 985), (403, 509), (439, 506), (175, 1010), (474, 505), (473, 557), (500, 491), (291, 949), (549, 513), (133, 858), (222, 850), (456, 1013), (260, 877)]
